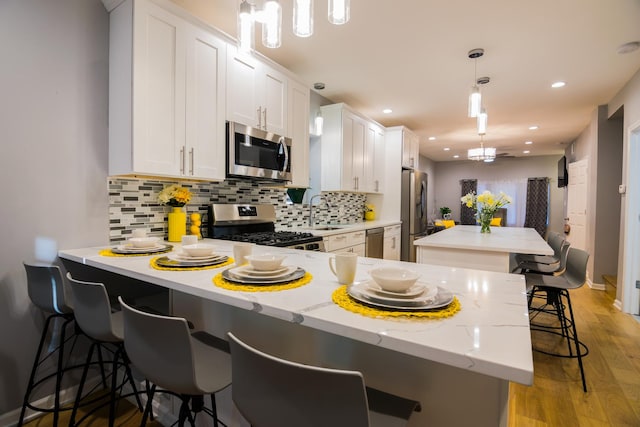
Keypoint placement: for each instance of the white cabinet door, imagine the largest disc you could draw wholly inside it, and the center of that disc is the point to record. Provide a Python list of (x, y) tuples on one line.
[(243, 97), (158, 90), (391, 245), (374, 159), (298, 120), (256, 93), (205, 106), (410, 150)]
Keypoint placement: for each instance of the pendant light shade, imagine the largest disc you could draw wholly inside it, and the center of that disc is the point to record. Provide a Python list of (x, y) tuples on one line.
[(482, 154), (483, 118), (246, 27), (339, 11), (303, 18), (475, 101), (318, 124), (272, 26)]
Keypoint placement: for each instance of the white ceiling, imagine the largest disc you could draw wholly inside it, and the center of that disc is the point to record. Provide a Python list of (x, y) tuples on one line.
[(411, 56)]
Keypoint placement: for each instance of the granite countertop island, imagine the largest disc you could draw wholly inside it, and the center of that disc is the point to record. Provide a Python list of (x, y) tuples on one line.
[(459, 368)]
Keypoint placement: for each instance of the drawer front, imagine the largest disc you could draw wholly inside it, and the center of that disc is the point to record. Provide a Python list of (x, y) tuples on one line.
[(337, 242), (392, 230), (356, 238)]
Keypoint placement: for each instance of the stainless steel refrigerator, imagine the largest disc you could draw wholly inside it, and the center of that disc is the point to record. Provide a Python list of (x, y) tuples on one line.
[(413, 212)]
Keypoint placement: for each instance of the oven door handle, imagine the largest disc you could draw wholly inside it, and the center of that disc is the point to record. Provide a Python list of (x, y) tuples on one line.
[(286, 154)]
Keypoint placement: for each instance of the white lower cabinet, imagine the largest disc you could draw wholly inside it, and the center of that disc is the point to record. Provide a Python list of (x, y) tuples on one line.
[(391, 247), (346, 242)]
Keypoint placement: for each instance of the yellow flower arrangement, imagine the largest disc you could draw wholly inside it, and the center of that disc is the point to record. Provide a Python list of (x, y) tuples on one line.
[(485, 205), (174, 195)]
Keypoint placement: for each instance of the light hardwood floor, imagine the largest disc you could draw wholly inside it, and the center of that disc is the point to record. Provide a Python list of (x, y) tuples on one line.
[(556, 399)]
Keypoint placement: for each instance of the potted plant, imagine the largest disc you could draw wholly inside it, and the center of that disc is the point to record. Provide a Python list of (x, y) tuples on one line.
[(445, 212)]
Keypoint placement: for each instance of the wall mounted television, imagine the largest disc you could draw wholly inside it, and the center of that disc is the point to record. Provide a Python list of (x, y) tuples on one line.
[(563, 176)]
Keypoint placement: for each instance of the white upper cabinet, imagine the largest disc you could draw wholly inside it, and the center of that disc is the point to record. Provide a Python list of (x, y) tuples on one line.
[(298, 120), (166, 89), (256, 93), (352, 149), (410, 149)]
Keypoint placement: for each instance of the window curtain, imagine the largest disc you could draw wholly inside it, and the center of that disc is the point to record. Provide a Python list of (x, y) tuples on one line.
[(537, 205), (467, 215), (514, 188)]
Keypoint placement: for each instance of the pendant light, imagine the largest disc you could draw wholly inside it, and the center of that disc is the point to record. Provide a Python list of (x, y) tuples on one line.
[(303, 18), (339, 11), (246, 27), (482, 121), (482, 154), (318, 124), (475, 99), (272, 26)]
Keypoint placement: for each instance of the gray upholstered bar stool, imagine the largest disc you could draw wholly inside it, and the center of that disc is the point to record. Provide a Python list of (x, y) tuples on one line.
[(184, 364), (48, 291), (554, 292), (94, 315), (274, 392)]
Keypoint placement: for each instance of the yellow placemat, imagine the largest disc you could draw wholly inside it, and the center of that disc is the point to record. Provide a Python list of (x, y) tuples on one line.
[(342, 298), (221, 282), (154, 264), (109, 252)]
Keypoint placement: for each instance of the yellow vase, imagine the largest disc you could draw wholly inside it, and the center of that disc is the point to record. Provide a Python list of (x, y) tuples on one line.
[(177, 224)]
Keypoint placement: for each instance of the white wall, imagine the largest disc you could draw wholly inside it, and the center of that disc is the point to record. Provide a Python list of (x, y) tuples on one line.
[(53, 168), (449, 174)]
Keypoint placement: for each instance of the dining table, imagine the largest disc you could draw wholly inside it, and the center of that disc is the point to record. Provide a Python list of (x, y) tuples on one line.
[(465, 246), (457, 360)]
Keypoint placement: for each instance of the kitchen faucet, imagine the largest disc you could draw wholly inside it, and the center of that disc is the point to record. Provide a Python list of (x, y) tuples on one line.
[(311, 208)]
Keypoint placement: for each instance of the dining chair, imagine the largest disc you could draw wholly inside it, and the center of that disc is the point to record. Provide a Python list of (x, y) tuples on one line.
[(555, 241), (184, 364), (554, 292), (49, 292), (95, 317), (555, 268), (273, 392)]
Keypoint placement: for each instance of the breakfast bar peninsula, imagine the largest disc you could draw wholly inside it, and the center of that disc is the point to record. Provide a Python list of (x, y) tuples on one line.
[(458, 366), (466, 247)]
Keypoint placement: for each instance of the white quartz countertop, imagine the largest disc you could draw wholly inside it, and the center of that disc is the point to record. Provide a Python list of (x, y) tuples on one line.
[(501, 239), (489, 335), (320, 230)]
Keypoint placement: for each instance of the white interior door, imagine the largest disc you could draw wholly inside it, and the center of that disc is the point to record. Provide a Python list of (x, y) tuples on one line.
[(577, 203)]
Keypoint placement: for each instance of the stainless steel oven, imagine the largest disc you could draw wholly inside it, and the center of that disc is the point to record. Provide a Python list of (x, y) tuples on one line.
[(256, 153)]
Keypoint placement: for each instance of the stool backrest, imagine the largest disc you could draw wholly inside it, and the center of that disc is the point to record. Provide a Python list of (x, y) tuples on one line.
[(160, 347), (556, 240), (47, 288), (92, 310), (273, 392), (576, 272)]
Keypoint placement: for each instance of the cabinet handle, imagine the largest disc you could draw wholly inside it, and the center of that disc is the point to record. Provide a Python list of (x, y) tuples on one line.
[(393, 243), (377, 186), (182, 161), (411, 161), (191, 161), (264, 112), (259, 110)]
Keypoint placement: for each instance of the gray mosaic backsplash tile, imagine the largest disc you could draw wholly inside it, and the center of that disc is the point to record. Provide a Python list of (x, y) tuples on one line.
[(133, 203)]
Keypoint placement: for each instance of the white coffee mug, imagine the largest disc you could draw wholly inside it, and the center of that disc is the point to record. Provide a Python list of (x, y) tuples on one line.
[(240, 252), (189, 239), (343, 265)]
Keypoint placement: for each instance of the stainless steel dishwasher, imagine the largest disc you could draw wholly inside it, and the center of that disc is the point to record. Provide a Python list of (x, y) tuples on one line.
[(374, 242)]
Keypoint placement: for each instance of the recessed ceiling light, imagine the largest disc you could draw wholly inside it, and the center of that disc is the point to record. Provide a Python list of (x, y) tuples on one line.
[(534, 127), (447, 148), (387, 111), (528, 142), (432, 138), (558, 84), (318, 86), (629, 47), (526, 151), (456, 156)]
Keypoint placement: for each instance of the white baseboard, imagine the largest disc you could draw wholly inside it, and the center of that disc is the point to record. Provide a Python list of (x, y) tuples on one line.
[(617, 304), (596, 286)]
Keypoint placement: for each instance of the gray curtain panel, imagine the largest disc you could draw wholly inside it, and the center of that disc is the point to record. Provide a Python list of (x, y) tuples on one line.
[(467, 215), (536, 215)]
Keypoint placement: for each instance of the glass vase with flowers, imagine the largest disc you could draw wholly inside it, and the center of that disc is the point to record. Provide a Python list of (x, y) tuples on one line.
[(485, 205)]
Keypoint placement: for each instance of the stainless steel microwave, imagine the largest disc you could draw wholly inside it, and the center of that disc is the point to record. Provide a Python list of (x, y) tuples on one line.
[(256, 153)]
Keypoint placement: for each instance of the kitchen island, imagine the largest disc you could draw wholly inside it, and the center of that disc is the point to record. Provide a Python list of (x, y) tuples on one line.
[(459, 368), (464, 246)]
